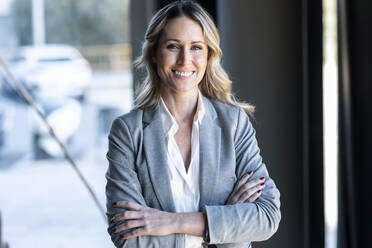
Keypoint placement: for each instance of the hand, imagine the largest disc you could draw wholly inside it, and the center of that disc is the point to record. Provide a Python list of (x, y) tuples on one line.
[(143, 220), (246, 191)]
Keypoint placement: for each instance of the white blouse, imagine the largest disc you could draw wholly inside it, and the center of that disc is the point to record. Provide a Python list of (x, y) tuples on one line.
[(185, 185)]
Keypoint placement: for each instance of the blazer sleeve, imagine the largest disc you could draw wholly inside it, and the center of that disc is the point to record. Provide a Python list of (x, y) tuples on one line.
[(123, 184), (246, 222)]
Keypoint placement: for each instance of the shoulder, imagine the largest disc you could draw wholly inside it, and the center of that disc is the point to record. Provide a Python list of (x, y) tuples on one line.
[(226, 111), (129, 120), (231, 118), (135, 115)]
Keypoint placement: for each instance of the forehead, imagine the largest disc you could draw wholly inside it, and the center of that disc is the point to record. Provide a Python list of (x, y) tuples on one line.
[(184, 29)]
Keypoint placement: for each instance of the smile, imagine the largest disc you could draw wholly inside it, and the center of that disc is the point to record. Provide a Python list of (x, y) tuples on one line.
[(183, 74)]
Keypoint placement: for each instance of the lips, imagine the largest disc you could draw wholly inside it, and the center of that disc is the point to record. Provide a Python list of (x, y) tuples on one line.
[(183, 73)]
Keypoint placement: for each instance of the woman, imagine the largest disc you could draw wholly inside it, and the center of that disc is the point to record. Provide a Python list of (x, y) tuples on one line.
[(184, 165)]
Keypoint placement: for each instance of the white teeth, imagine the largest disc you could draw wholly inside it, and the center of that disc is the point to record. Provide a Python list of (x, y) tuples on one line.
[(183, 74)]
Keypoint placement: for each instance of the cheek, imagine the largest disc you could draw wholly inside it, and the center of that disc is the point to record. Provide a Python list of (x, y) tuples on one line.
[(166, 59), (201, 61), (202, 64)]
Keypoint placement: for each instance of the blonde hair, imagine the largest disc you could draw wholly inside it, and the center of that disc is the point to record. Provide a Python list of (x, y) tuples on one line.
[(215, 83)]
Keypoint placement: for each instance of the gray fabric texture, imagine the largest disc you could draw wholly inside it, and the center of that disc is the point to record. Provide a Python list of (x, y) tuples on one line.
[(138, 172)]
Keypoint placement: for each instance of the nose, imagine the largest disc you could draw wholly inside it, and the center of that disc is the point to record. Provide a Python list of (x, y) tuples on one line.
[(184, 57)]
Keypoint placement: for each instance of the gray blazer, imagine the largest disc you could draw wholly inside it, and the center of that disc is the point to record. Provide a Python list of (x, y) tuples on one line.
[(138, 171)]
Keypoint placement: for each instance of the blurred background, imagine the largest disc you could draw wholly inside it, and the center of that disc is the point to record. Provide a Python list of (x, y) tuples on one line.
[(305, 65), (74, 57)]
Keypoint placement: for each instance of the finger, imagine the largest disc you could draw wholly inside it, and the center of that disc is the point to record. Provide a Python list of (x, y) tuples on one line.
[(246, 190), (128, 225), (250, 192), (128, 205), (132, 234), (233, 197), (127, 215), (242, 181), (232, 200), (254, 196), (251, 184)]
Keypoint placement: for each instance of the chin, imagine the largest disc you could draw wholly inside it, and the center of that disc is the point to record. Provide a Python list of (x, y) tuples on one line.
[(185, 88)]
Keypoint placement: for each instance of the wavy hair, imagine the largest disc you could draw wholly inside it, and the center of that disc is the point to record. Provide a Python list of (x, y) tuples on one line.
[(215, 83)]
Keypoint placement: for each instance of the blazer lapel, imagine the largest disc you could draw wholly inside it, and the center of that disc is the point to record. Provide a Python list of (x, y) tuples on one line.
[(210, 143), (156, 156)]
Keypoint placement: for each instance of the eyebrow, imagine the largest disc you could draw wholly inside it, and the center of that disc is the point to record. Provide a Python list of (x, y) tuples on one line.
[(177, 40)]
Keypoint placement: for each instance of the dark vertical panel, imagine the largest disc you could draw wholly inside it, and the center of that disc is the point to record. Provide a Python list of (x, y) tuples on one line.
[(347, 228), (273, 53), (261, 41), (313, 123), (360, 39)]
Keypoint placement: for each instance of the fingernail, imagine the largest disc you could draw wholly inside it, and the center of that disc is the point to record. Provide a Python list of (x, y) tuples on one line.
[(262, 178), (114, 204), (121, 236), (114, 230), (249, 173), (259, 191), (262, 184)]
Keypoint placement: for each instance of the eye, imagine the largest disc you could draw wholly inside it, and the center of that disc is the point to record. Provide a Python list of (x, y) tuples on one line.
[(172, 46), (196, 48)]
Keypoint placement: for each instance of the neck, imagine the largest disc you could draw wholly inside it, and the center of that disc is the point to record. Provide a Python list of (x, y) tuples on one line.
[(182, 106)]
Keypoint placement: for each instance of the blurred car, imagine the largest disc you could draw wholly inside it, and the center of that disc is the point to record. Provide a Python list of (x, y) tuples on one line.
[(64, 115), (50, 70)]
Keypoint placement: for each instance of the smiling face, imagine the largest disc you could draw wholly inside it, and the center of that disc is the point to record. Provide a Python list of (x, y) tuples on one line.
[(181, 56)]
